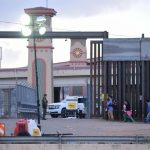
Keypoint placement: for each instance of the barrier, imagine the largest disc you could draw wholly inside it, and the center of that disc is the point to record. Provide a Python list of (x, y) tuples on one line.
[(33, 129), (26, 127), (66, 139), (21, 127)]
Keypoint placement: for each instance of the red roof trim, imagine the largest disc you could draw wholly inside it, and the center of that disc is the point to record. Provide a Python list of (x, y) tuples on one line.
[(40, 11)]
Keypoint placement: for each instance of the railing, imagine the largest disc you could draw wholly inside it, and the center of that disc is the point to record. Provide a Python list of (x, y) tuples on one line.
[(68, 139)]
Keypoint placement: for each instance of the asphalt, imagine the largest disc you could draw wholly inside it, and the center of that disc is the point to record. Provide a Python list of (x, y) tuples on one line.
[(85, 127)]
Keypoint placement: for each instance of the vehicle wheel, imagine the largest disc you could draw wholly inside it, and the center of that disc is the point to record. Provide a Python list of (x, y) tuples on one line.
[(54, 115), (63, 113), (83, 115)]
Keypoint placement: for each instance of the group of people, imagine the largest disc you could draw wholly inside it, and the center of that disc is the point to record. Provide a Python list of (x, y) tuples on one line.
[(111, 107)]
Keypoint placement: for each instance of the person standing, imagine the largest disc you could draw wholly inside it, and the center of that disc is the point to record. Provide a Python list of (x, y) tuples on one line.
[(44, 105), (115, 109), (110, 108), (147, 119)]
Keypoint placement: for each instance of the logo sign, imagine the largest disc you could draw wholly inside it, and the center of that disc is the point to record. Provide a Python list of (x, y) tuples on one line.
[(36, 132), (72, 105)]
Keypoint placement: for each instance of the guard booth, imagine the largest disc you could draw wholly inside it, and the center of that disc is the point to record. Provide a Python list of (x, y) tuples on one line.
[(72, 106), (120, 68)]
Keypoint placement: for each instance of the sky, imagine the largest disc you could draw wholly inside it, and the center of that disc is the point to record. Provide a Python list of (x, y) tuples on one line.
[(121, 18)]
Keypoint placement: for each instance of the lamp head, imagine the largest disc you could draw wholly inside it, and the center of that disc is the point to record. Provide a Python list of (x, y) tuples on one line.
[(26, 31), (42, 30), (37, 24)]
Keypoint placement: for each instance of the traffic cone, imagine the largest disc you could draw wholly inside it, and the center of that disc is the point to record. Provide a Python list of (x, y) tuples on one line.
[(2, 129)]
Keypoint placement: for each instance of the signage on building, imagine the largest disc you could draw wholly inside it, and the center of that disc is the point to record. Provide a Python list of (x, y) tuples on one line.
[(121, 49), (125, 49)]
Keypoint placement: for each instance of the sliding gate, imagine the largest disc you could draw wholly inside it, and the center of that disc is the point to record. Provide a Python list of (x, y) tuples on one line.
[(123, 80)]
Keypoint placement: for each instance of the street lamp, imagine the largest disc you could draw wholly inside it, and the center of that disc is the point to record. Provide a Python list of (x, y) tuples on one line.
[(30, 26)]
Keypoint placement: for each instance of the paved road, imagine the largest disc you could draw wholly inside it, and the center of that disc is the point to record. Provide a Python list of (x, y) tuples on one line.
[(86, 127)]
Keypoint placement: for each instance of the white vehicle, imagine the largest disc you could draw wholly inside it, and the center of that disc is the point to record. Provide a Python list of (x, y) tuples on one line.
[(60, 108)]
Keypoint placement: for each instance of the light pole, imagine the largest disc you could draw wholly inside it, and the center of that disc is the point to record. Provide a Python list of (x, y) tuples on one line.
[(27, 32), (36, 78)]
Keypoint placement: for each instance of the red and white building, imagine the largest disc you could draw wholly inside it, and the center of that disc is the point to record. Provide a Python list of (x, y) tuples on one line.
[(59, 79)]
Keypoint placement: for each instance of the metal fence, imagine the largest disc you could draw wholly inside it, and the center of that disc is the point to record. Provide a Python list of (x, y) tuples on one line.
[(124, 80), (17, 101)]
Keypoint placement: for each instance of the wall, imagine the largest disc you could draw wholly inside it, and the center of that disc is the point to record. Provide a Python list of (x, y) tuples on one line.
[(75, 146)]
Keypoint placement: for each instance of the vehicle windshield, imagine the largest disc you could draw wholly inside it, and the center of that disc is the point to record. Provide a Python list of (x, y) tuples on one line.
[(81, 100)]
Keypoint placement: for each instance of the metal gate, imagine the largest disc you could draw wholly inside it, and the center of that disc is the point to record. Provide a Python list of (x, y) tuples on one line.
[(96, 77), (123, 80)]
